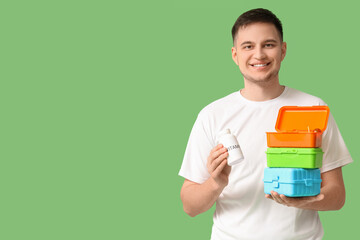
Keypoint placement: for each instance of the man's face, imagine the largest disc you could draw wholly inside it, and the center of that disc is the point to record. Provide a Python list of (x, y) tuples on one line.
[(258, 52)]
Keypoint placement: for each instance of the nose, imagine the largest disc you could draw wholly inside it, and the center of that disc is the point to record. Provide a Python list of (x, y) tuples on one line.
[(259, 53)]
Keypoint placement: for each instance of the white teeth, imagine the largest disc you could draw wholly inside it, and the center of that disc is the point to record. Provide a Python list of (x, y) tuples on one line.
[(260, 65)]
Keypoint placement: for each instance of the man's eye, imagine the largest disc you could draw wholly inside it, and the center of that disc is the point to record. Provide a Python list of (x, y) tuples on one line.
[(269, 45), (247, 47)]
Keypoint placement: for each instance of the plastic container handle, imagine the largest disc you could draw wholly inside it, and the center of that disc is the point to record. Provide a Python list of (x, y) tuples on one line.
[(275, 182), (290, 151), (308, 182)]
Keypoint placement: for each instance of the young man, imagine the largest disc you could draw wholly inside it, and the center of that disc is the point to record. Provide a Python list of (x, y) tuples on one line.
[(243, 211)]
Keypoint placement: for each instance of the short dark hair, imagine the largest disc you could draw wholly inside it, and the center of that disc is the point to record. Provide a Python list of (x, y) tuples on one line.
[(254, 16)]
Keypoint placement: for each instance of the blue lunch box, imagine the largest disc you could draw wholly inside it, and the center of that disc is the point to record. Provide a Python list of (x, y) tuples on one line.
[(292, 182)]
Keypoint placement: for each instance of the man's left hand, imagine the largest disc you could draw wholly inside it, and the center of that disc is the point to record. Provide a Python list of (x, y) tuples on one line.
[(299, 202)]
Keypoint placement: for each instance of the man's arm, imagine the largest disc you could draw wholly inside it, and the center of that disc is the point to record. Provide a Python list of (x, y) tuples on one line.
[(198, 198), (331, 197)]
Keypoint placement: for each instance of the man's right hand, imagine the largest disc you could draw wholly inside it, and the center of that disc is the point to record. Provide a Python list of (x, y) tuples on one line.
[(217, 165), (198, 198)]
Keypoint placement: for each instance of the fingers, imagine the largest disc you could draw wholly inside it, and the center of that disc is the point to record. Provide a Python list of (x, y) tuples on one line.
[(281, 198), (278, 198), (216, 157), (219, 169), (273, 196), (216, 152), (217, 147), (217, 162), (293, 201), (269, 196), (320, 197), (217, 165)]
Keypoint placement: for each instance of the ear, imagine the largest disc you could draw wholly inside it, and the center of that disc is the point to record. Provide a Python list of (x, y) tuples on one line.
[(283, 50), (234, 55)]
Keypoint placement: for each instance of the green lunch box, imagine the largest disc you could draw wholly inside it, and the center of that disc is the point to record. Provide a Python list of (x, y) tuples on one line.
[(294, 157)]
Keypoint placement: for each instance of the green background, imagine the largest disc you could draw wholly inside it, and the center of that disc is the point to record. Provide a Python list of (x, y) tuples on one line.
[(98, 99)]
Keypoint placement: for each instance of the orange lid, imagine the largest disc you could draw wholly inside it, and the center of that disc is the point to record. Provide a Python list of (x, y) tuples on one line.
[(304, 119)]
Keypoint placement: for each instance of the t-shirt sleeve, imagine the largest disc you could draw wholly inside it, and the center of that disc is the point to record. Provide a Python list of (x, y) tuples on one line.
[(335, 151), (197, 151)]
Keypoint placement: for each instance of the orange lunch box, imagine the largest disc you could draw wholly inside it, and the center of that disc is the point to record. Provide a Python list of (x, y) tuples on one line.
[(299, 127)]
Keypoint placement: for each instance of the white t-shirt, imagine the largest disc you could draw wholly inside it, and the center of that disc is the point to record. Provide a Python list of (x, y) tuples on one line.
[(242, 211)]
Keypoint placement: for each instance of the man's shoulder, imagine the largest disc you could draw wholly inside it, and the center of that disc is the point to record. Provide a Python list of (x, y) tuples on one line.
[(303, 98), (220, 104)]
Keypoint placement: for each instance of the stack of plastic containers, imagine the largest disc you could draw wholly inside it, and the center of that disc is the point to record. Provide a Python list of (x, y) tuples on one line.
[(294, 155)]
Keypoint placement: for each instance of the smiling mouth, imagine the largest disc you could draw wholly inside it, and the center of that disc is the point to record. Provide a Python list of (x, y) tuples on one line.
[(260, 65)]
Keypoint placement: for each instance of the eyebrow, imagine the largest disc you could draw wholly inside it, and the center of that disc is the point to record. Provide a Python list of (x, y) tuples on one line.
[(246, 42), (266, 41), (271, 40)]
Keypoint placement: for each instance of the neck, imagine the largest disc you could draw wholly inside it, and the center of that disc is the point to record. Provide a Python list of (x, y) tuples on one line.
[(261, 92)]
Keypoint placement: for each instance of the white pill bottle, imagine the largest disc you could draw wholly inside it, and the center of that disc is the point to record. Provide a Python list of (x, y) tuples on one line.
[(230, 142)]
